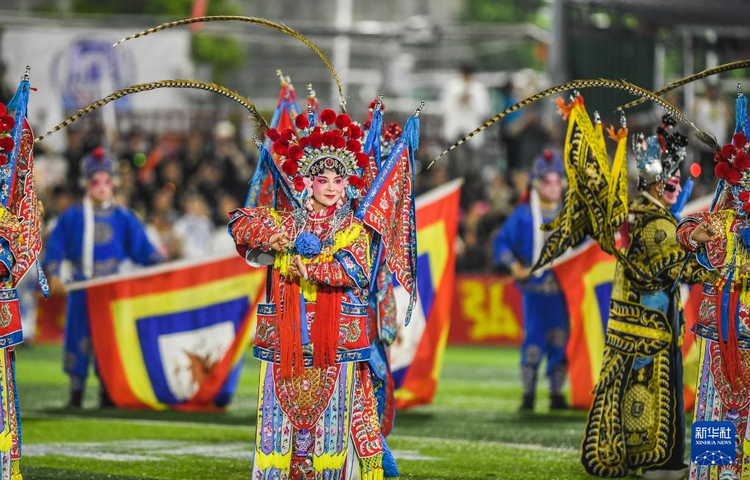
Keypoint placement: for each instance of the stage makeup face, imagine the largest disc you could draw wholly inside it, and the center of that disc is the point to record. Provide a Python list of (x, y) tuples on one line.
[(101, 187), (550, 188), (327, 188), (672, 190)]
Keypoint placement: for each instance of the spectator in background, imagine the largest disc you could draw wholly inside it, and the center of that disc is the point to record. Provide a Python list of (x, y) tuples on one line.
[(509, 140), (160, 231), (50, 170), (528, 133), (195, 228), (6, 91), (209, 181), (234, 168), (465, 104), (472, 251), (501, 198), (62, 199), (193, 154), (73, 153), (169, 175), (227, 203), (221, 242)]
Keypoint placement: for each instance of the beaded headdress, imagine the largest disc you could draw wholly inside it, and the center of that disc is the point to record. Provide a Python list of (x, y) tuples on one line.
[(659, 156), (99, 160), (547, 162), (335, 145), (733, 160)]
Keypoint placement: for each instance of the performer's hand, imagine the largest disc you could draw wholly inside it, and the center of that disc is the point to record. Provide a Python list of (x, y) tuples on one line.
[(520, 272), (279, 241), (744, 269), (40, 208), (56, 287), (702, 234), (298, 268)]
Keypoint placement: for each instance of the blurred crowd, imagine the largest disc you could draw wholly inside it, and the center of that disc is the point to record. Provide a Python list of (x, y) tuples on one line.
[(181, 185), (495, 164), (183, 182)]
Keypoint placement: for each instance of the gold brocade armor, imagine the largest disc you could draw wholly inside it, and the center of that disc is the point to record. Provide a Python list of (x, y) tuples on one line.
[(634, 421)]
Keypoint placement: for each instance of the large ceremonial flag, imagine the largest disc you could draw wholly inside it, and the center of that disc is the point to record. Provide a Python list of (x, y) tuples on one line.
[(586, 280), (174, 336), (417, 354)]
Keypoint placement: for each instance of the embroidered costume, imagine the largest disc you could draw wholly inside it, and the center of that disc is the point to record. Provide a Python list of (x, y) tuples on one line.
[(96, 240), (317, 410), (317, 413), (636, 420), (382, 312), (545, 312), (723, 326), (20, 243)]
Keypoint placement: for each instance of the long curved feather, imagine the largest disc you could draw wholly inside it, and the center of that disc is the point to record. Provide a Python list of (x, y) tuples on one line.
[(726, 67), (581, 84), (258, 21), (144, 87)]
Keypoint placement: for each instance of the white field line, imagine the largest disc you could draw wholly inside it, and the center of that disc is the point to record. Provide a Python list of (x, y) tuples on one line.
[(160, 450), (133, 421), (438, 440), (520, 446)]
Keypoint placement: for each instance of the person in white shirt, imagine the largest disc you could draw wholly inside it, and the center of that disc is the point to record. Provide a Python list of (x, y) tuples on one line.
[(465, 104)]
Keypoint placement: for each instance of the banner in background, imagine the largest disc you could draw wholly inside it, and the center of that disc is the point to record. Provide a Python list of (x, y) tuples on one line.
[(486, 310), (417, 354), (74, 66), (586, 281), (174, 336), (50, 319)]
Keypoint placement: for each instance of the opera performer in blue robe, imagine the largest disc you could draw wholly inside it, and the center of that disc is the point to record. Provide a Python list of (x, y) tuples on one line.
[(517, 246), (96, 236)]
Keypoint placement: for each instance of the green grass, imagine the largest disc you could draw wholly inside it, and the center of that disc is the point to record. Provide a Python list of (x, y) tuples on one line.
[(471, 431)]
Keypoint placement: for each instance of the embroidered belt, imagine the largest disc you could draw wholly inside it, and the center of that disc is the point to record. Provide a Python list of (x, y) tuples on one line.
[(639, 330), (8, 295), (343, 356)]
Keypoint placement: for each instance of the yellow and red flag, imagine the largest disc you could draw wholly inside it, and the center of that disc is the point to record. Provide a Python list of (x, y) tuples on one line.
[(586, 280), (174, 336), (417, 354)]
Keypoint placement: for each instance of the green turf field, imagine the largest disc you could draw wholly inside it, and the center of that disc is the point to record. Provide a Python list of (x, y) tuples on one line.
[(471, 431)]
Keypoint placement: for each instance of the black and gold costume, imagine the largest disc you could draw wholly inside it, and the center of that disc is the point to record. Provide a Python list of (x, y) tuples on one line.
[(636, 420)]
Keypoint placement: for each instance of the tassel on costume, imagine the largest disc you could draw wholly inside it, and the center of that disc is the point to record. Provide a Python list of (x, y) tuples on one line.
[(371, 468), (325, 328), (730, 350), (290, 335)]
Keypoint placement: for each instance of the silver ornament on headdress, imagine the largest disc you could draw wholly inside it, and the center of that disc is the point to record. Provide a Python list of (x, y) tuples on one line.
[(659, 159)]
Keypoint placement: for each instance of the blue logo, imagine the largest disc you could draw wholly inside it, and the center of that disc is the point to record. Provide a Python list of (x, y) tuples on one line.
[(712, 443)]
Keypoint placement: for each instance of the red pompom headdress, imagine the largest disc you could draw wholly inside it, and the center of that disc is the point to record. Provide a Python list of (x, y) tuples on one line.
[(732, 161), (7, 145), (335, 144)]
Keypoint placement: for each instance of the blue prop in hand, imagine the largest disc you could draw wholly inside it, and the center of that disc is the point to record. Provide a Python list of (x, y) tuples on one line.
[(307, 244), (682, 200)]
